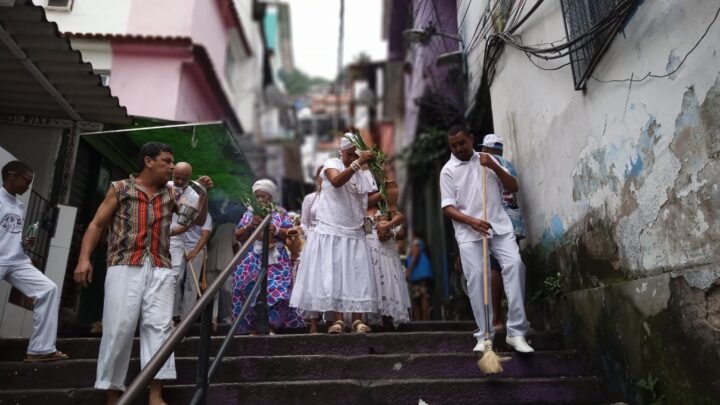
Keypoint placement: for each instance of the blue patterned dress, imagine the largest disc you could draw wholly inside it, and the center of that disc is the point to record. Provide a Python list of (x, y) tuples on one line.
[(279, 283)]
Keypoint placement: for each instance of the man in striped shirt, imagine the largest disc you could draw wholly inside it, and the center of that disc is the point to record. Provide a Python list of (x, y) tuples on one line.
[(140, 282)]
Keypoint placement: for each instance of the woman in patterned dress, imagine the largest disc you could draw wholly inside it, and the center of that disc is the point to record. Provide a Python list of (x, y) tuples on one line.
[(392, 290), (279, 282)]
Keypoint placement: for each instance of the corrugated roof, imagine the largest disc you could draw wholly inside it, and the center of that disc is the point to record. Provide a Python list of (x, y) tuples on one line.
[(41, 75)]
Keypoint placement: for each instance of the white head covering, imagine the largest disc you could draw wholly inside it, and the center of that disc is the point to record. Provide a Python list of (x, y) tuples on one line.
[(493, 141), (267, 186), (345, 143)]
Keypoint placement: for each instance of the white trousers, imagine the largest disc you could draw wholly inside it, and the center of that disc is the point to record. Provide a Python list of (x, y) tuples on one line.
[(34, 284), (186, 293), (506, 251), (135, 293)]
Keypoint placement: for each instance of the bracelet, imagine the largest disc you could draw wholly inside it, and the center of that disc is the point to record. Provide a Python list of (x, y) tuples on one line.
[(355, 165)]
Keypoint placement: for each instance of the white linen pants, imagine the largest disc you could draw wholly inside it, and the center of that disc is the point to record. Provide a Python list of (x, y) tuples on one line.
[(135, 293), (34, 284), (506, 251), (186, 293)]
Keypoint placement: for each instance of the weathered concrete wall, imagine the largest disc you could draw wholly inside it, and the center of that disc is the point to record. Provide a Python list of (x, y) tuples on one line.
[(620, 183)]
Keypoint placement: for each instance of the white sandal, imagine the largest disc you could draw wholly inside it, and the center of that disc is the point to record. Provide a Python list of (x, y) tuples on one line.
[(337, 328), (359, 327)]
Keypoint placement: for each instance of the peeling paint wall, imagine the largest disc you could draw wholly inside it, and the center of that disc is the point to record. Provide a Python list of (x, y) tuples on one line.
[(619, 190), (640, 157)]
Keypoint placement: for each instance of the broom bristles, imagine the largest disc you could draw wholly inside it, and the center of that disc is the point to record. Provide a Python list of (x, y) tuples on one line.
[(489, 363)]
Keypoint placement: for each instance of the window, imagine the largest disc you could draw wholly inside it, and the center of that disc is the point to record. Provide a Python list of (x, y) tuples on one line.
[(593, 24), (59, 5)]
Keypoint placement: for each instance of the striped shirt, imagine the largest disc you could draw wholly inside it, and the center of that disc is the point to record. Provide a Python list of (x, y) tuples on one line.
[(141, 226)]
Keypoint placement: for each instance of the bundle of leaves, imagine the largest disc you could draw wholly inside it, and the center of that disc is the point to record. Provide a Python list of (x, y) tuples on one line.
[(375, 165), (258, 208)]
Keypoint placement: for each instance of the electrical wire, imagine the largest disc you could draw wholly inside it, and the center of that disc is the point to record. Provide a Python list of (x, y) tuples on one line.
[(650, 74)]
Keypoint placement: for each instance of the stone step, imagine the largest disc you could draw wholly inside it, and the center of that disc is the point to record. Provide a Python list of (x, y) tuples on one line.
[(81, 373), (281, 345), (222, 329), (571, 390)]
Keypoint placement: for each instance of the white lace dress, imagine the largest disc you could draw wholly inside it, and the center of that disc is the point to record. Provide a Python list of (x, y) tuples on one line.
[(335, 273), (392, 290)]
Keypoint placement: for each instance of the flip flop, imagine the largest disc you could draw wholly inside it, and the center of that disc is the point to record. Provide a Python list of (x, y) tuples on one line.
[(54, 356)]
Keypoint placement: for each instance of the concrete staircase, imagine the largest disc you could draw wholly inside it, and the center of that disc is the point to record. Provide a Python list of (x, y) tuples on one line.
[(431, 361)]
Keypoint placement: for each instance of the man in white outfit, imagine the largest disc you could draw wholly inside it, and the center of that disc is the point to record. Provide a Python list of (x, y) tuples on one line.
[(181, 184), (461, 188), (16, 268)]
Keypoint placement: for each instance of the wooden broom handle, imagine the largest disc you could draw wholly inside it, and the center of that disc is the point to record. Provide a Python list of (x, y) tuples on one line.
[(194, 275), (485, 239)]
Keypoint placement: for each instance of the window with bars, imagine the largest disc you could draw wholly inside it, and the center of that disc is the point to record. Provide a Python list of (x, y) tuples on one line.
[(592, 24)]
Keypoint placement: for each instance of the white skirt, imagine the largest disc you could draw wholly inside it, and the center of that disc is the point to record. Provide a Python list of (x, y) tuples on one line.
[(335, 273), (392, 290)]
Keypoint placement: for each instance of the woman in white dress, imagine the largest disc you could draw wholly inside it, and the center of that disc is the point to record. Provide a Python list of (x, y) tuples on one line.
[(335, 273), (308, 220), (392, 291)]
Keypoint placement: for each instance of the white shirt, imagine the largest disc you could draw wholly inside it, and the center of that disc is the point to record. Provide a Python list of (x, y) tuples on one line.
[(461, 187), (193, 235), (344, 207), (192, 198), (11, 229)]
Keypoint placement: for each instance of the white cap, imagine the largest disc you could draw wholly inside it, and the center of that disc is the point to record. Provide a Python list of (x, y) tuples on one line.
[(492, 141)]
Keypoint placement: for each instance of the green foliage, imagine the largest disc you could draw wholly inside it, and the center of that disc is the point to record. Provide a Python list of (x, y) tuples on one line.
[(298, 83), (376, 166), (649, 384), (429, 149), (553, 285)]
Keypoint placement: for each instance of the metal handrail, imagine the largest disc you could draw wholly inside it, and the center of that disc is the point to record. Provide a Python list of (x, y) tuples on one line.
[(204, 372)]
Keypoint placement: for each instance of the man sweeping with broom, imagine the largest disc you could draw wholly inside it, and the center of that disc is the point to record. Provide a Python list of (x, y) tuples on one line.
[(471, 185)]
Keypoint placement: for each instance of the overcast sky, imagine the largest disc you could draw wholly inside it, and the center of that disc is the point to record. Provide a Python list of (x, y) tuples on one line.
[(315, 25)]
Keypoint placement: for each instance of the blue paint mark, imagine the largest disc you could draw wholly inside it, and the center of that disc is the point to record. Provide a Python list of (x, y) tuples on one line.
[(632, 106), (635, 167), (552, 237), (556, 226)]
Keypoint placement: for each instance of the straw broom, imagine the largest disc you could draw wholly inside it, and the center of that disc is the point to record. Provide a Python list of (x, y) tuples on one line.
[(489, 363)]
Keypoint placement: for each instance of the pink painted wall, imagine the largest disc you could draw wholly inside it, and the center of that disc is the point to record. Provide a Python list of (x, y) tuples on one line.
[(146, 78), (200, 20), (196, 102)]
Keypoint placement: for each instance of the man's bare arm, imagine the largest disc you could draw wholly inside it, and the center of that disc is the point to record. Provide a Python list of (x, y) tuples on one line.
[(101, 221)]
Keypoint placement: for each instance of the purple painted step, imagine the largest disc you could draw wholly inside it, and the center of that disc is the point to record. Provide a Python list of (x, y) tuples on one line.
[(415, 326), (574, 390), (280, 345), (80, 373)]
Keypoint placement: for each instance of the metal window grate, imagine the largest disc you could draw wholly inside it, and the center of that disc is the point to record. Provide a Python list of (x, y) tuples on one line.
[(40, 211), (581, 17)]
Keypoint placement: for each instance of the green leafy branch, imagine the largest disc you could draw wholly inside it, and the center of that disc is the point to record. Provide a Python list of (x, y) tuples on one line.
[(375, 164)]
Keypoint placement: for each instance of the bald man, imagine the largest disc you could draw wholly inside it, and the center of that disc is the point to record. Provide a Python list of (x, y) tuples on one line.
[(187, 191)]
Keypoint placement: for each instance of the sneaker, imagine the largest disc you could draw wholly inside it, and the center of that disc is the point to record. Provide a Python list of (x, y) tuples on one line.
[(519, 344), (480, 346)]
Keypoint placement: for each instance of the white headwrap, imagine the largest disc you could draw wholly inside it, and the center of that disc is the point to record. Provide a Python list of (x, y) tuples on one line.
[(267, 186), (345, 142)]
